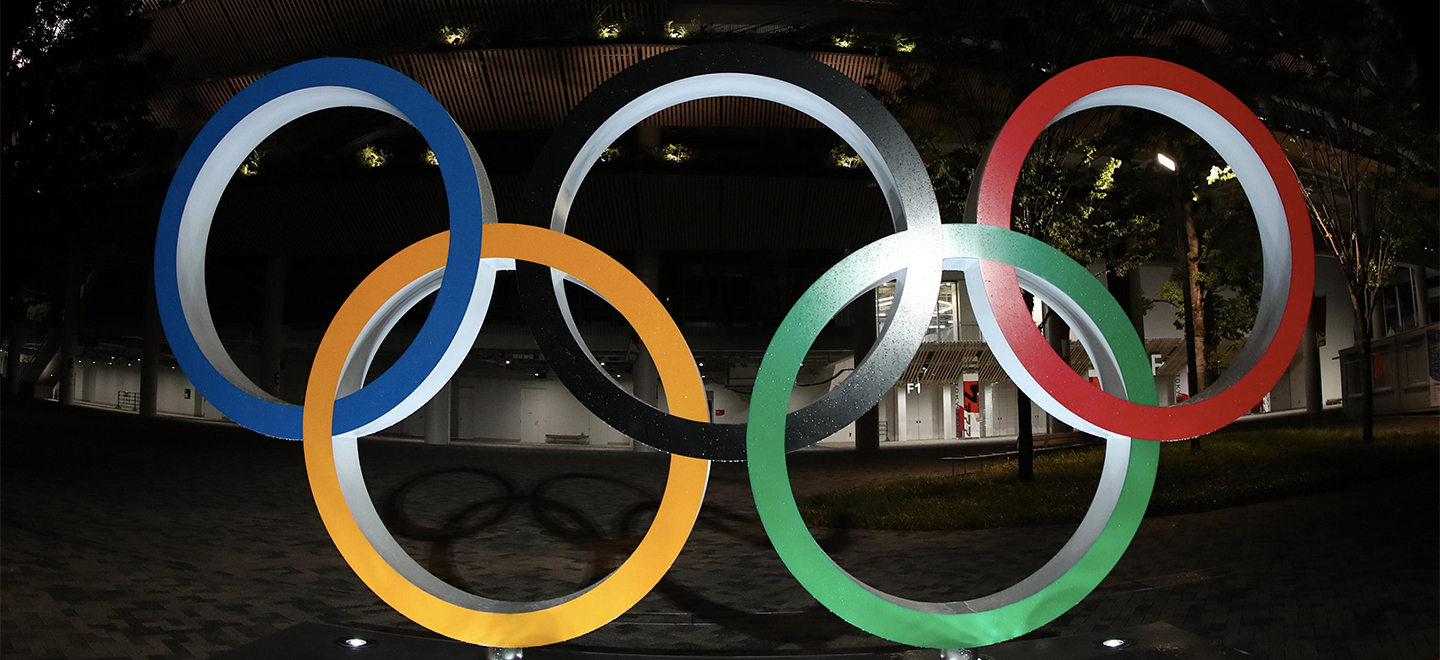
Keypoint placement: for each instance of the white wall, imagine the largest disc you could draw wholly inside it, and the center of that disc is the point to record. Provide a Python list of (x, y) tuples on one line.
[(997, 403), (1289, 392), (101, 382), (736, 406), (925, 412), (1339, 322), (170, 396), (488, 405), (1160, 322)]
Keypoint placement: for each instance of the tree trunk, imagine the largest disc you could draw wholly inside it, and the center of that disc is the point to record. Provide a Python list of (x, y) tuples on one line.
[(1194, 310), (1310, 356), (1025, 440), (1367, 388), (1025, 435), (1058, 334), (1195, 299)]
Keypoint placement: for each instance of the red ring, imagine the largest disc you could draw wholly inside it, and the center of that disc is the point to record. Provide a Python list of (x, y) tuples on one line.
[(1001, 170)]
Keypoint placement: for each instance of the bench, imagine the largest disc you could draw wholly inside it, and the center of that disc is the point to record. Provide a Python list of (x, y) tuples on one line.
[(562, 439), (964, 461), (1043, 444)]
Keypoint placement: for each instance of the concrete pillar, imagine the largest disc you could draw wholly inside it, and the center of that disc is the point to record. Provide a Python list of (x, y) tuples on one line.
[(1128, 289), (12, 360), (1310, 360), (985, 400), (648, 135), (75, 283), (150, 357), (647, 379), (437, 418), (272, 325), (22, 332), (1057, 334), (862, 325), (1165, 390), (1417, 291), (947, 411), (900, 424)]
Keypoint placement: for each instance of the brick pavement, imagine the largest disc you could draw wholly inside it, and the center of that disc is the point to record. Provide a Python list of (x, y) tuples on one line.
[(131, 538)]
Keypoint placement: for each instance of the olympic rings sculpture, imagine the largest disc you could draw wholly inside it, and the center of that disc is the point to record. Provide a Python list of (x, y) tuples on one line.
[(459, 266)]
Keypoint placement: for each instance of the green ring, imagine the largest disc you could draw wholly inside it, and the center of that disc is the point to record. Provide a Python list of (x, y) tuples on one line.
[(1126, 484)]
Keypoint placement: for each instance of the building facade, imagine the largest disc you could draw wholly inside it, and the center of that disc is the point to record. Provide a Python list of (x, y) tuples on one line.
[(726, 239)]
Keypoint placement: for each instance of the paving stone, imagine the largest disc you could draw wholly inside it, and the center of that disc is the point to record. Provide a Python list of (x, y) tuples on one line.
[(163, 539)]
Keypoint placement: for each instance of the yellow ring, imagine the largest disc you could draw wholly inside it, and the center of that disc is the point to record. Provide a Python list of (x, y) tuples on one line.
[(684, 489)]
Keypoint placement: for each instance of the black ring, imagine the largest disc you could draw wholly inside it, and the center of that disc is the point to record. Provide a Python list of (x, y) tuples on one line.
[(880, 141)]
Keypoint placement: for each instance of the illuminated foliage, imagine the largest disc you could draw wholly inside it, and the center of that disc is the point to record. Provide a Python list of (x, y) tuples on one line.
[(251, 166), (455, 36), (606, 28), (675, 153), (842, 156), (373, 156)]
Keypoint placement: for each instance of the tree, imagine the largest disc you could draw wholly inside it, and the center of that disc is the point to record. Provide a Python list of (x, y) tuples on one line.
[(74, 118), (1362, 140), (1220, 253), (1356, 114), (1063, 199), (74, 128), (973, 64), (1365, 210)]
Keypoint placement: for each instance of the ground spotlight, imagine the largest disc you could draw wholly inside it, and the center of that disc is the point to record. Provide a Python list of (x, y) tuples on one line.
[(354, 642)]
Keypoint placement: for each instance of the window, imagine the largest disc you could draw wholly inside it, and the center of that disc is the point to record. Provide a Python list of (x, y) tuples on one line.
[(1397, 304), (943, 322)]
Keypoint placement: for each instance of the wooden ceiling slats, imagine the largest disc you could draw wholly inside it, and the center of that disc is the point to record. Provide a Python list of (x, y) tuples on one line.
[(613, 212), (680, 212), (298, 29), (213, 33), (265, 31), (838, 212), (751, 205), (606, 213), (950, 362), (170, 34), (526, 88)]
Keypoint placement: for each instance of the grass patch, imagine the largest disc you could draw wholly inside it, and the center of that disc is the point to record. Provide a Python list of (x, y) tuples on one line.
[(1231, 469)]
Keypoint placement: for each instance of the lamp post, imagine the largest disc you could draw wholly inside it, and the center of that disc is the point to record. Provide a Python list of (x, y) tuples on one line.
[(1194, 318)]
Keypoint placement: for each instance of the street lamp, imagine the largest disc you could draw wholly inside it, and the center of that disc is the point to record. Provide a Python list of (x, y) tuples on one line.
[(1194, 337)]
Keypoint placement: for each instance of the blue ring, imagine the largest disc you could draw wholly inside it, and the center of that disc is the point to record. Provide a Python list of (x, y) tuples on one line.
[(441, 326)]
